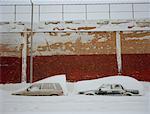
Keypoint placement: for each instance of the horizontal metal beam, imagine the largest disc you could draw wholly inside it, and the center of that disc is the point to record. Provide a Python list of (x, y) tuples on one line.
[(83, 31), (90, 3), (71, 4)]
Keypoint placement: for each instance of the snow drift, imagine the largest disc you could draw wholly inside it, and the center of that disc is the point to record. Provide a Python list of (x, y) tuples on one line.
[(73, 88), (126, 81)]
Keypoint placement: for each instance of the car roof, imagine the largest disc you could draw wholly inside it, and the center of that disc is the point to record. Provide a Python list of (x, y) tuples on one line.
[(54, 86)]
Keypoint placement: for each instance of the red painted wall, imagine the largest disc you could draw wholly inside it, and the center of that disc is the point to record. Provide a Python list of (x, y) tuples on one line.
[(76, 67), (137, 66), (10, 69)]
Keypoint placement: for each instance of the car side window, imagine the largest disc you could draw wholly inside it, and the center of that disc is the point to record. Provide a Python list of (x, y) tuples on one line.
[(117, 86), (58, 87), (45, 86)]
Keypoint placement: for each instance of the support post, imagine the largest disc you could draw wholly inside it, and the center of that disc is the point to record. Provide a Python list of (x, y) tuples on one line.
[(118, 52), (31, 50), (62, 12), (86, 12), (24, 60), (109, 12)]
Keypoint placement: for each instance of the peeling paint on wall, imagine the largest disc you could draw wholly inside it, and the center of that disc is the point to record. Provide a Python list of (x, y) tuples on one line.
[(75, 43), (11, 45)]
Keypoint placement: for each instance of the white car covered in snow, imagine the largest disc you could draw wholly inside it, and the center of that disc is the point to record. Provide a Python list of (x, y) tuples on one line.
[(111, 89)]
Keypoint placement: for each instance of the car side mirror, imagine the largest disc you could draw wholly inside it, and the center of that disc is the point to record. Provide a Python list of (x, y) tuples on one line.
[(28, 89)]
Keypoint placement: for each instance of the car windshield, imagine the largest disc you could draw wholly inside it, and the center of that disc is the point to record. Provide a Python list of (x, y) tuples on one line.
[(45, 86), (105, 86), (35, 87)]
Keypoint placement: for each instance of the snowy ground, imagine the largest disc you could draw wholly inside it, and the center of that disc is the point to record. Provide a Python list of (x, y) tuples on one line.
[(72, 103)]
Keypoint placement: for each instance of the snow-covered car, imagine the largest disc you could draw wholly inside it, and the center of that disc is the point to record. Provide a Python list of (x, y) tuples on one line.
[(42, 89), (111, 89)]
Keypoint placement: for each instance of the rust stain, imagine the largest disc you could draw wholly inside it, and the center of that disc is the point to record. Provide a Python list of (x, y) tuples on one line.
[(28, 29), (69, 46), (86, 28), (22, 34), (27, 34), (130, 26), (136, 34), (41, 48), (53, 33), (56, 45), (47, 45), (68, 22), (56, 28), (71, 28), (117, 22), (66, 34), (47, 23), (10, 49)]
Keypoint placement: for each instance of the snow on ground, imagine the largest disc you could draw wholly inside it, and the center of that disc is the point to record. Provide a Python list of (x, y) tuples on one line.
[(72, 103)]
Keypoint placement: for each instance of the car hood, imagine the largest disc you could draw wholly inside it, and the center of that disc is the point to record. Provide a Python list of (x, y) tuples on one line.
[(19, 93)]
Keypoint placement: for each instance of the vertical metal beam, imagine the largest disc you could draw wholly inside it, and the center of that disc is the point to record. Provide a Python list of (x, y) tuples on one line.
[(132, 11), (62, 12), (15, 13), (86, 12), (109, 11), (118, 52), (24, 59), (39, 14), (31, 50)]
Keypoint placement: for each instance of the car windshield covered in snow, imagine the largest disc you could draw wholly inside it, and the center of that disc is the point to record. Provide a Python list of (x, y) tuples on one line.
[(42, 89)]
